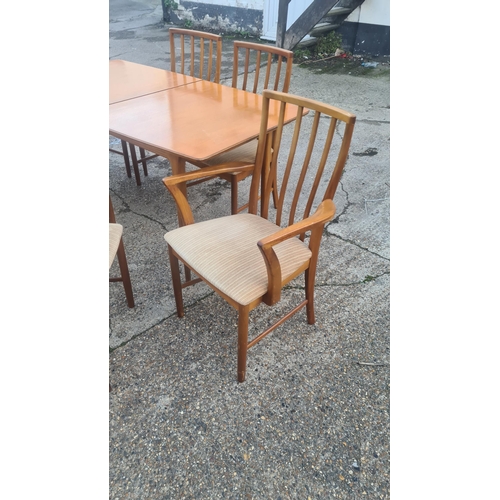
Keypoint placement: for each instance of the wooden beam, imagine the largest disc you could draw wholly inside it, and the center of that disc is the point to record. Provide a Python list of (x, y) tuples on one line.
[(282, 18), (301, 27)]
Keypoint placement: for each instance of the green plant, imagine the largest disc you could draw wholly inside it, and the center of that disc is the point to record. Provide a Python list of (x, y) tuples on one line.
[(328, 44), (188, 23), (301, 54)]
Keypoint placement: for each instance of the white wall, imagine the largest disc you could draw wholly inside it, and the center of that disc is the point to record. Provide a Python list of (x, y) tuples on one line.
[(243, 4), (372, 12)]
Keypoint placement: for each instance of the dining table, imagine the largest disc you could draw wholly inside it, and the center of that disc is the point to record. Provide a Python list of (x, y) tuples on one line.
[(183, 118)]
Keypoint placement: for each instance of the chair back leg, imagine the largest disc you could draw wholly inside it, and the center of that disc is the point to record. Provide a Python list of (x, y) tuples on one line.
[(127, 284)]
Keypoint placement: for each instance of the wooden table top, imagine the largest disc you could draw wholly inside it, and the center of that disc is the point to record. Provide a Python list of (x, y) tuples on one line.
[(128, 80), (195, 121)]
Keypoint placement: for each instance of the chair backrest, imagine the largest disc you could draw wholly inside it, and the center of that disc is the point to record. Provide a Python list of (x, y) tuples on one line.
[(200, 53), (269, 67), (306, 158)]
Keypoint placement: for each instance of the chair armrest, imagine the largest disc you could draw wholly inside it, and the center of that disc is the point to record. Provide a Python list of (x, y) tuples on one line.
[(173, 183), (314, 223)]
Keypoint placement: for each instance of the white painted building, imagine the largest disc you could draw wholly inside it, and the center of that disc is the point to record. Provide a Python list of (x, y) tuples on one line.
[(366, 29)]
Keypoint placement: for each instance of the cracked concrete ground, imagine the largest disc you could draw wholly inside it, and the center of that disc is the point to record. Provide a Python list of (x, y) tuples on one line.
[(312, 418)]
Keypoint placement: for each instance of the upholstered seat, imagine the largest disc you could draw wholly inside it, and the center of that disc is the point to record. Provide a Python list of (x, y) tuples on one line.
[(245, 153), (115, 234), (226, 254)]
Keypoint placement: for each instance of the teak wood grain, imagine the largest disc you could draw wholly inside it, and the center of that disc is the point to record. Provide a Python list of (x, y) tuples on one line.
[(191, 122), (128, 80)]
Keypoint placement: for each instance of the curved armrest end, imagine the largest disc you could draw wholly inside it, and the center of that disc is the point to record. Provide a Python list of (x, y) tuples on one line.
[(315, 223)]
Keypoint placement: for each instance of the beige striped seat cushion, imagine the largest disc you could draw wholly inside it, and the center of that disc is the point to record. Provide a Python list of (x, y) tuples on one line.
[(245, 152), (115, 233), (224, 251)]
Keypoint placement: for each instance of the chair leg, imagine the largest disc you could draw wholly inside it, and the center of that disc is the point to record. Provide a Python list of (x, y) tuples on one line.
[(135, 164), (126, 158), (127, 284), (176, 281), (310, 278), (143, 156), (243, 313), (234, 195)]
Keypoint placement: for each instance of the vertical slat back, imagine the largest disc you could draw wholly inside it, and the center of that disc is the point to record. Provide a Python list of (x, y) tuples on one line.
[(303, 171), (247, 64), (200, 43), (210, 58), (202, 57), (321, 167), (307, 157), (268, 71), (182, 55), (254, 57), (257, 71), (191, 55), (278, 71), (275, 139), (172, 53), (282, 189)]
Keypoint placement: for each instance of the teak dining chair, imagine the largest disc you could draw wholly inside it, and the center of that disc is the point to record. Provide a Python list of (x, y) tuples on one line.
[(268, 67), (248, 258), (200, 55), (116, 249)]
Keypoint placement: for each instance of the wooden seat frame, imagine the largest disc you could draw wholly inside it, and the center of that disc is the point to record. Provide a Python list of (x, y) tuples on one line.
[(313, 224)]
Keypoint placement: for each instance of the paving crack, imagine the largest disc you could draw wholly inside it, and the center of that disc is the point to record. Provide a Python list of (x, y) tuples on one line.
[(129, 210), (174, 313), (374, 121), (329, 235), (347, 205), (366, 279)]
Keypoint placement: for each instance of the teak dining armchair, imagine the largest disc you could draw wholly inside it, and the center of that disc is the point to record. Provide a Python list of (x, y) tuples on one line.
[(248, 258), (256, 67)]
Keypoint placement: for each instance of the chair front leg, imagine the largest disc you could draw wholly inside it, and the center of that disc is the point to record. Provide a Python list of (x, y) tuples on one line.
[(310, 279), (243, 314), (176, 281)]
